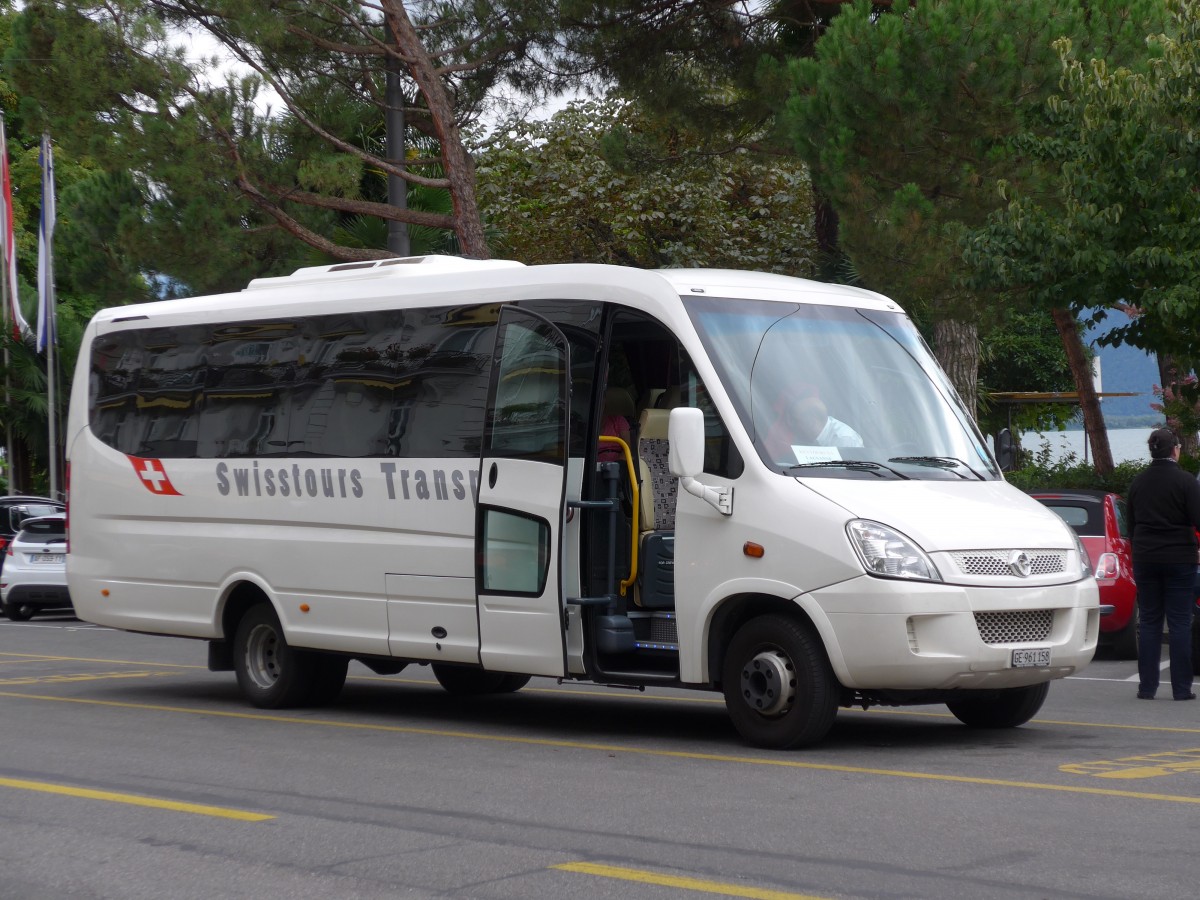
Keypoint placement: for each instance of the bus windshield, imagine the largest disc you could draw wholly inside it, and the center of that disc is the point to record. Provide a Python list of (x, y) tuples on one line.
[(840, 392)]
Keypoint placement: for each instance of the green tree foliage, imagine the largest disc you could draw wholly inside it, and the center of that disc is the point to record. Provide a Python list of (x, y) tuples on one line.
[(1117, 225), (905, 117), (112, 82), (1023, 354), (602, 181), (695, 61)]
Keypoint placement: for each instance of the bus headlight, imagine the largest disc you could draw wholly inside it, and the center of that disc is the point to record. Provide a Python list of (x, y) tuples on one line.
[(889, 554)]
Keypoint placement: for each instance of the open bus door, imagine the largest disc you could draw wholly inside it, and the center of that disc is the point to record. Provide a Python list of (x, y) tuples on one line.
[(522, 495)]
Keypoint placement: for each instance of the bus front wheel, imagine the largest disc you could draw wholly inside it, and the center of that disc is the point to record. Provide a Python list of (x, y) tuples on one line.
[(779, 688), (271, 674)]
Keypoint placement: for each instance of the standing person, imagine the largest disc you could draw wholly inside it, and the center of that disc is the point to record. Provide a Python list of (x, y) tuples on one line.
[(1164, 513)]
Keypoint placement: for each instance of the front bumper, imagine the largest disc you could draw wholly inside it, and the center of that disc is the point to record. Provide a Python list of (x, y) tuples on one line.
[(41, 596), (947, 637)]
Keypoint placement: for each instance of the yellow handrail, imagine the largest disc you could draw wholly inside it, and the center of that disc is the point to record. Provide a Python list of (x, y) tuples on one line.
[(627, 583)]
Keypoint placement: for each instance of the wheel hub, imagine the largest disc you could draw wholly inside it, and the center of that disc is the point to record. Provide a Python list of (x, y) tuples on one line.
[(262, 662), (769, 683)]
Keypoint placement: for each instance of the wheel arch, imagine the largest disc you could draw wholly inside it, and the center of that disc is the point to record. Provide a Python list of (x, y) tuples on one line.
[(237, 597), (738, 609)]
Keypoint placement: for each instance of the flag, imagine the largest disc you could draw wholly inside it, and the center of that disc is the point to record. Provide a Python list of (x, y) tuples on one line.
[(46, 317), (8, 244)]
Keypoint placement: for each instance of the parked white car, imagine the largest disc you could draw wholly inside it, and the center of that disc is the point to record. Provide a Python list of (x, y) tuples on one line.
[(34, 576)]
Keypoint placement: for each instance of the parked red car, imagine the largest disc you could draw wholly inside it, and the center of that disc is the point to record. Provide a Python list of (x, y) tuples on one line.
[(1099, 519)]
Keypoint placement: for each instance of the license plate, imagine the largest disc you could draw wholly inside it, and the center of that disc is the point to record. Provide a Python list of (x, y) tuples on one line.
[(1024, 659), (49, 558)]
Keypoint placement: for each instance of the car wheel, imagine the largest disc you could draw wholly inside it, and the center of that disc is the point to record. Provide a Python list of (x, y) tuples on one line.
[(467, 682), (1005, 708), (19, 612), (1125, 641), (271, 674), (780, 690)]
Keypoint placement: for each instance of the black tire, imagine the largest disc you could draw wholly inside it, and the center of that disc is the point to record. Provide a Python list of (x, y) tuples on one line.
[(1005, 708), (328, 679), (780, 690), (467, 682), (1124, 643), (381, 667), (271, 674), (19, 612)]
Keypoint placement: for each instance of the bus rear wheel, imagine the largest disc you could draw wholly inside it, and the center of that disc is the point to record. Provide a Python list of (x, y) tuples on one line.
[(271, 674), (779, 688), (468, 682), (1005, 708)]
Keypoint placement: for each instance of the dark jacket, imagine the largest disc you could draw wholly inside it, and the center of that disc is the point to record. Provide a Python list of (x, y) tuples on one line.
[(1164, 513)]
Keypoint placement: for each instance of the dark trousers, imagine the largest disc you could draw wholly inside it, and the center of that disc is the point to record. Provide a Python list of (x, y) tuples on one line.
[(1165, 589)]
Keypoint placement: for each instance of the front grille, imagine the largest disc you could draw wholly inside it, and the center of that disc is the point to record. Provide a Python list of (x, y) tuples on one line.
[(1015, 627), (996, 562)]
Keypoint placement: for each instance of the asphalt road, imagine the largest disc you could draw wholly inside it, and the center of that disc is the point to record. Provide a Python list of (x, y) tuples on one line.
[(127, 770)]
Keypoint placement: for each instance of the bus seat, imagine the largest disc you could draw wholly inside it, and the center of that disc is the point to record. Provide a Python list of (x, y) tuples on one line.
[(669, 398), (618, 401), (656, 580), (649, 398), (658, 485)]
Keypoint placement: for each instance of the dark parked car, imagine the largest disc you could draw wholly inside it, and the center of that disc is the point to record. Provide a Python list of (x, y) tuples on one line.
[(1099, 519)]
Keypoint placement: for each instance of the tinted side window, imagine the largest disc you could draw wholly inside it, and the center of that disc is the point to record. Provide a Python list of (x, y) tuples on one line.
[(580, 322), (438, 404), (40, 531), (386, 383), (1086, 518)]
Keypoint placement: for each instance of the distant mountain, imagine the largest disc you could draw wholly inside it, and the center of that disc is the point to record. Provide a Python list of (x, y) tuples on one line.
[(1125, 369)]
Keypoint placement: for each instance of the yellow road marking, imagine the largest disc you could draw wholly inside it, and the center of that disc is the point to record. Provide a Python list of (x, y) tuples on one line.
[(42, 657), (80, 676), (1151, 765), (134, 800), (779, 761), (688, 884)]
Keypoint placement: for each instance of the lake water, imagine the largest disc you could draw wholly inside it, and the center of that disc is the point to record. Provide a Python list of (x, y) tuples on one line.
[(1126, 444)]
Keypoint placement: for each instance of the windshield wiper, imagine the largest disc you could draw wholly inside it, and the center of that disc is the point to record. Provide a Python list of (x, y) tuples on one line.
[(941, 462), (858, 464)]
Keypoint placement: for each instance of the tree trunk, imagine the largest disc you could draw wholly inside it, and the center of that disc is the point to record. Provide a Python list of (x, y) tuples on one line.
[(956, 346), (1171, 375), (456, 161), (20, 469), (1093, 418)]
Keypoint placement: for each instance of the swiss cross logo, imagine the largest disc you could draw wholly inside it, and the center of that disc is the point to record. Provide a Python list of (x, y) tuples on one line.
[(153, 476)]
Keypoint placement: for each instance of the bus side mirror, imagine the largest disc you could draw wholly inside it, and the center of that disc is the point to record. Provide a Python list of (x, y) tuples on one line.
[(1006, 450), (685, 458), (685, 432)]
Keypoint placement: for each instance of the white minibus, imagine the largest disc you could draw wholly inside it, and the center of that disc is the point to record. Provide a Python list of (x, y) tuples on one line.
[(704, 479)]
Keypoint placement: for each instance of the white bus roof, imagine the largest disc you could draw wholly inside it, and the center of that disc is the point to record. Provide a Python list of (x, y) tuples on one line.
[(400, 267), (450, 275)]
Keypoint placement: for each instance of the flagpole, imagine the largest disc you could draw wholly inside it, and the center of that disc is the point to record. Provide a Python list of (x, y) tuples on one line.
[(8, 444), (47, 320), (7, 213)]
